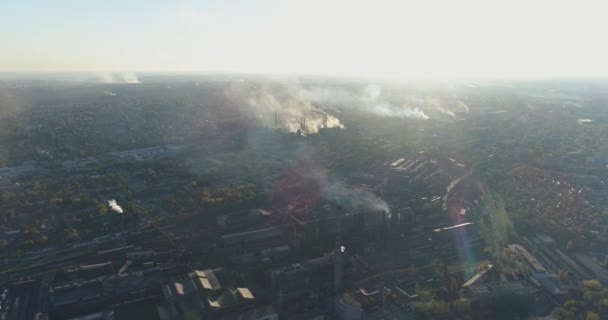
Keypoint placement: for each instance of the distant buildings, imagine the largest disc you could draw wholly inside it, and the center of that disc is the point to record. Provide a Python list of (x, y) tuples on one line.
[(201, 294), (27, 300), (145, 153)]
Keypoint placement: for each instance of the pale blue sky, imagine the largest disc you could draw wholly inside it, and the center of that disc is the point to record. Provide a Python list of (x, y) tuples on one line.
[(397, 39)]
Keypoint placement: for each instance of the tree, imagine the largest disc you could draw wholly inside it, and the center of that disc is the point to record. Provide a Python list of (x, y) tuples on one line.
[(603, 306), (3, 243), (423, 293), (26, 244), (570, 304), (192, 316), (592, 284), (453, 285), (488, 252), (461, 305), (562, 314), (592, 316), (71, 233), (562, 276), (101, 209)]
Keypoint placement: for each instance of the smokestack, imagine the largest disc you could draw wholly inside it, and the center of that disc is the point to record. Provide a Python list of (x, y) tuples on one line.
[(383, 299), (325, 121), (338, 253), (276, 120), (281, 299)]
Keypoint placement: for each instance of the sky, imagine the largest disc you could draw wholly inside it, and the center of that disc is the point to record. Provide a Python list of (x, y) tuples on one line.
[(406, 39)]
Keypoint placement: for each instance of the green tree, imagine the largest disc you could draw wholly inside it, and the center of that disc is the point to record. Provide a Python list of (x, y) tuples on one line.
[(424, 293), (570, 304), (192, 316), (592, 316), (603, 306), (26, 244), (71, 234), (453, 285), (562, 314), (592, 284), (101, 209)]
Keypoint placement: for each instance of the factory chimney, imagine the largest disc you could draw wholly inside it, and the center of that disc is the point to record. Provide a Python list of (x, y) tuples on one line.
[(338, 252), (384, 299), (276, 120)]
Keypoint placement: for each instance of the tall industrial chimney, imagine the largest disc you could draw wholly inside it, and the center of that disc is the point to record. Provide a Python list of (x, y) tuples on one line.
[(338, 253)]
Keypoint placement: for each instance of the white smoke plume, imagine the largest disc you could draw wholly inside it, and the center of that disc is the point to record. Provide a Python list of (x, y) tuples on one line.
[(388, 110), (323, 105), (373, 92), (114, 206), (292, 108), (125, 77), (462, 106), (446, 111), (371, 98), (348, 197), (409, 105), (356, 199)]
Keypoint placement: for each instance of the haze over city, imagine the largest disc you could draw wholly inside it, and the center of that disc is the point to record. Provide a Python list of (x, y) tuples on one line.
[(385, 39), (303, 160)]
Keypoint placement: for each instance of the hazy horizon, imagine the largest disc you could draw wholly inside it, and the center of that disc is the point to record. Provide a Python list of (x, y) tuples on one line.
[(378, 39)]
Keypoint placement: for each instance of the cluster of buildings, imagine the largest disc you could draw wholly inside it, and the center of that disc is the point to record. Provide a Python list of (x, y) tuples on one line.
[(145, 153), (160, 290)]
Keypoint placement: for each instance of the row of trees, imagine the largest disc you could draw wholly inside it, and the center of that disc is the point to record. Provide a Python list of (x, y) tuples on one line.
[(457, 309), (590, 304)]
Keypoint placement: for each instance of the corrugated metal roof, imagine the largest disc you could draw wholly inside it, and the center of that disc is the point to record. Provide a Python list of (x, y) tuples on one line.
[(208, 280), (179, 288), (245, 293)]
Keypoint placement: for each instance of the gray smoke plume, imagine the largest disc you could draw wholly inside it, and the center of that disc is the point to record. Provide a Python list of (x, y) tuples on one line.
[(322, 105), (388, 110), (407, 105), (114, 206), (357, 199), (348, 197), (293, 108), (462, 106), (125, 77)]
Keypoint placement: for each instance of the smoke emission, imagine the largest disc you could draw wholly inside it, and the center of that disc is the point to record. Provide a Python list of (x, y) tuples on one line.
[(388, 110), (295, 109), (407, 105), (347, 197), (357, 199), (125, 77), (293, 106), (114, 206)]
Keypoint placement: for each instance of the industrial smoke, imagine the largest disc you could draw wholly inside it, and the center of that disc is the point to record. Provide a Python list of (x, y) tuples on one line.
[(125, 77), (293, 107), (114, 206)]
